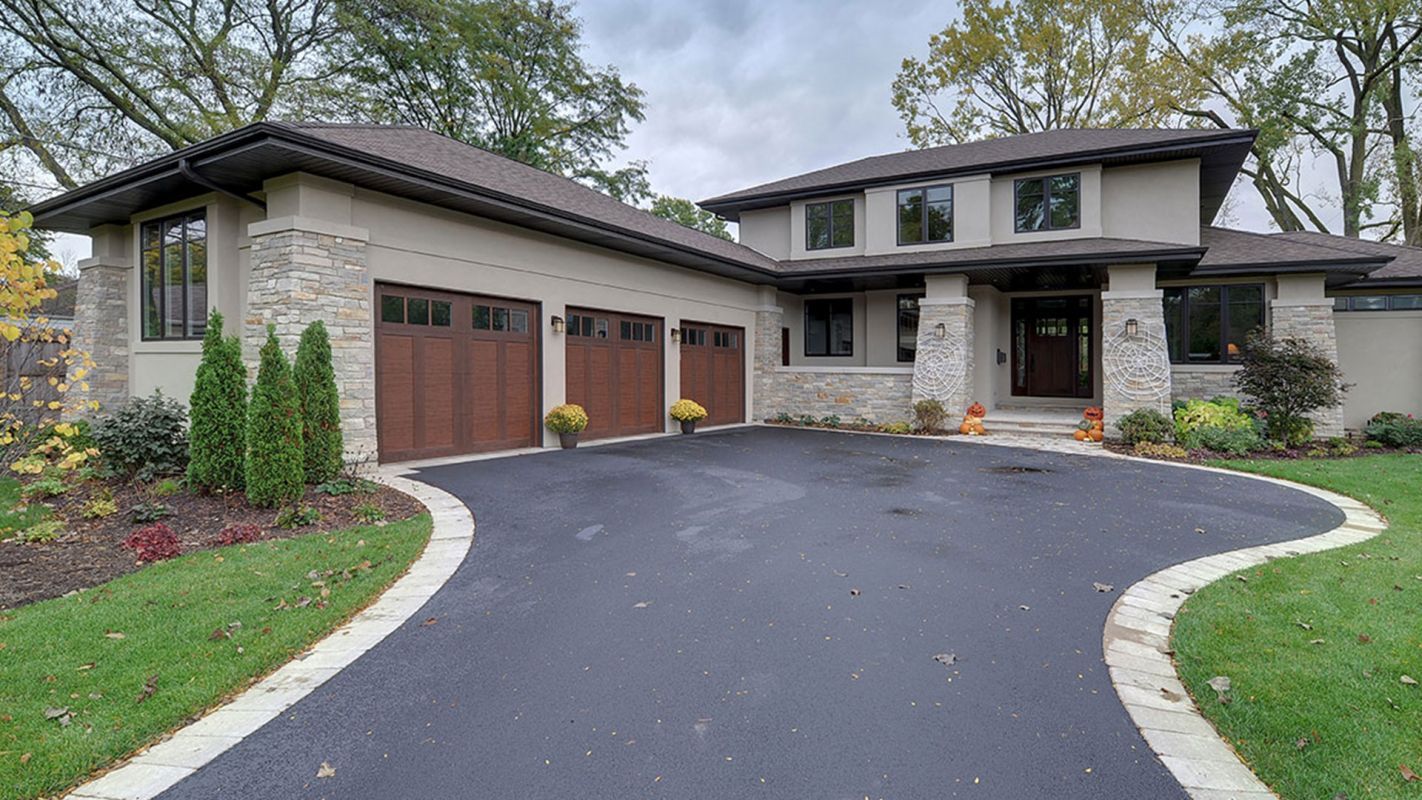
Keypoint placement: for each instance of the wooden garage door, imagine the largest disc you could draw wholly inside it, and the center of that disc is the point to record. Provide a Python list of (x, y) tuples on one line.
[(454, 373), (713, 369), (614, 371)]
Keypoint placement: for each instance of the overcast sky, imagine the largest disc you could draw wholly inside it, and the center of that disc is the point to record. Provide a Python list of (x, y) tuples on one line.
[(740, 92)]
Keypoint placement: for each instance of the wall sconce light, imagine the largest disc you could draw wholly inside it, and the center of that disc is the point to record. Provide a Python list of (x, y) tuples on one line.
[(676, 335), (1132, 327), (1001, 357), (940, 330), (558, 324)]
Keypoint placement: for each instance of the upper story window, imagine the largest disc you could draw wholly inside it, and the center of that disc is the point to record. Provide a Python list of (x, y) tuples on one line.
[(829, 327), (1379, 302), (1048, 203), (174, 279), (926, 215), (829, 225), (1207, 324)]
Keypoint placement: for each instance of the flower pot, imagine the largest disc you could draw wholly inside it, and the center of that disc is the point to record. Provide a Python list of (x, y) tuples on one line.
[(568, 440), (688, 426)]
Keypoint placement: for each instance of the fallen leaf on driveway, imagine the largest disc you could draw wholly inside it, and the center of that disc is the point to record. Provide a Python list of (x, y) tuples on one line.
[(853, 592), (946, 659), (1407, 773), (429, 622), (1408, 680), (1173, 697), (839, 574), (1102, 587), (642, 604), (1024, 608), (326, 771)]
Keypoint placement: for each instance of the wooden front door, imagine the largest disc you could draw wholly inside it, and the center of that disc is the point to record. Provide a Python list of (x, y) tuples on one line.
[(455, 373), (614, 371), (1052, 347), (713, 370)]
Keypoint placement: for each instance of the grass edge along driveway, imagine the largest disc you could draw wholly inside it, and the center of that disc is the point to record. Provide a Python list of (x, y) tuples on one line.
[(90, 678), (1321, 649)]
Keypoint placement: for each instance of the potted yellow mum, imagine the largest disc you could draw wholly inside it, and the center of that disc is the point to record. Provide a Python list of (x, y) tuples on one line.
[(688, 413), (567, 420)]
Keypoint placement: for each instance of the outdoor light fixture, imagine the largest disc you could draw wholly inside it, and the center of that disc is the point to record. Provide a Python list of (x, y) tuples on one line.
[(557, 324), (940, 330), (1132, 327), (676, 335)]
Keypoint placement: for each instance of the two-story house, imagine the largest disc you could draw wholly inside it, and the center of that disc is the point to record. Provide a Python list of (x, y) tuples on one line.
[(467, 293)]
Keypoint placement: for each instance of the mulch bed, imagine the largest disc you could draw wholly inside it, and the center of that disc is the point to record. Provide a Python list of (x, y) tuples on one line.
[(1291, 454), (90, 551)]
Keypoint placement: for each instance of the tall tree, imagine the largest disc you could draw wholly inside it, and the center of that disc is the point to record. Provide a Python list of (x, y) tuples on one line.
[(506, 75), (1017, 67), (685, 212), (89, 86)]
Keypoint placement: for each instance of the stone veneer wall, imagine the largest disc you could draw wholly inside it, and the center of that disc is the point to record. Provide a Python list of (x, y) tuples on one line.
[(300, 276), (1312, 322), (1135, 371), (943, 368), (878, 396), (767, 360), (1195, 384), (101, 330)]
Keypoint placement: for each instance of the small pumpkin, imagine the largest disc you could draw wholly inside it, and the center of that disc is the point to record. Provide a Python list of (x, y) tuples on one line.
[(1098, 425), (1079, 434), (1093, 413), (966, 427), (977, 410), (1096, 435)]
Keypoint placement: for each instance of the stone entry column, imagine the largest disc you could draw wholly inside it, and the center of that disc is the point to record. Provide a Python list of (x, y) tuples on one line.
[(1135, 360), (943, 365), (101, 311), (769, 320), (303, 270), (1302, 311)]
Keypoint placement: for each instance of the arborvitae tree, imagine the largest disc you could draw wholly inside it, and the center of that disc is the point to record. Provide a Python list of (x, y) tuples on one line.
[(217, 414), (320, 404), (275, 473)]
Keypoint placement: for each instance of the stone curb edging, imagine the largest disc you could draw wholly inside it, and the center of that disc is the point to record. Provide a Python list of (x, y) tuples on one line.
[(160, 766), (1136, 643)]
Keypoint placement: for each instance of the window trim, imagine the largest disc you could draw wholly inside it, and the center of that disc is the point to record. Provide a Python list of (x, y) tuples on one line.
[(805, 330), (923, 214), (1349, 306), (898, 314), (829, 220), (189, 322), (1224, 288), (1047, 203)]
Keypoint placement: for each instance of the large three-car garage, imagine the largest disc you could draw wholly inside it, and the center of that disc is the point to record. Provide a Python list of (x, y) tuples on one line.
[(462, 373)]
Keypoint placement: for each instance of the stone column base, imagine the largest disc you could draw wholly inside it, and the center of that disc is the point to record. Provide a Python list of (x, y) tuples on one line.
[(943, 365), (101, 330), (1135, 367), (1312, 321)]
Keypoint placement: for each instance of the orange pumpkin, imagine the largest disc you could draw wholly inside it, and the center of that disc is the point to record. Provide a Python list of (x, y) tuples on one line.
[(1093, 413), (1080, 435), (1098, 425), (977, 410), (1096, 434), (966, 427)]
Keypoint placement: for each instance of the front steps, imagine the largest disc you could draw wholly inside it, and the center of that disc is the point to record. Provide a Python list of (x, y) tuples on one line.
[(1034, 420)]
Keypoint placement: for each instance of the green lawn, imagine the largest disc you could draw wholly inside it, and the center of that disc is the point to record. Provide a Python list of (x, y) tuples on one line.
[(1316, 646), (67, 653), (10, 519)]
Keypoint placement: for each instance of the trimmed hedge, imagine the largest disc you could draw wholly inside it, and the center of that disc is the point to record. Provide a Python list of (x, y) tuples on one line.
[(217, 413), (315, 379), (275, 470)]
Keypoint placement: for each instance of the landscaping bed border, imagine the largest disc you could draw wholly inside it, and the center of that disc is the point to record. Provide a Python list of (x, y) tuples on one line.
[(158, 767)]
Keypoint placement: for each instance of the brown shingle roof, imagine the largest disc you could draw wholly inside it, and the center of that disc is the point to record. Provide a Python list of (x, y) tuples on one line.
[(984, 156), (441, 155), (1232, 248), (1406, 264)]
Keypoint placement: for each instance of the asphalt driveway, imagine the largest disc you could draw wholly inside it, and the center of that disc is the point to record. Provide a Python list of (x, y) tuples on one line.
[(756, 613)]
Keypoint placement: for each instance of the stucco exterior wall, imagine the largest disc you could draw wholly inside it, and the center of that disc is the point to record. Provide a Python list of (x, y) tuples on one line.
[(1381, 355), (767, 230), (1154, 202)]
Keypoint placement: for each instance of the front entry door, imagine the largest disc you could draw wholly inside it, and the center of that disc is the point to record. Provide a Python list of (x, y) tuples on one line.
[(1051, 347)]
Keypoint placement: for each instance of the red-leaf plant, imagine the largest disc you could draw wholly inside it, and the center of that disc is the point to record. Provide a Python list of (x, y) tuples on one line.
[(241, 533), (155, 542)]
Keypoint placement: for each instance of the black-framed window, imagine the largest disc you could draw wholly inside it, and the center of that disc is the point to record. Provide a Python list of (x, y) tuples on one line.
[(829, 327), (906, 326), (1047, 203), (1208, 324), (926, 215), (1378, 302), (829, 225), (174, 278)]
